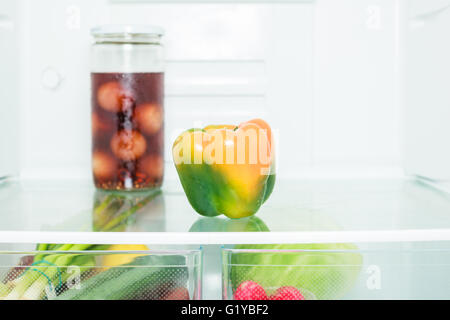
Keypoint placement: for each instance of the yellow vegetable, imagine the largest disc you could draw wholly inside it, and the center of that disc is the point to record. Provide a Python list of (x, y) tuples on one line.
[(226, 169), (113, 260)]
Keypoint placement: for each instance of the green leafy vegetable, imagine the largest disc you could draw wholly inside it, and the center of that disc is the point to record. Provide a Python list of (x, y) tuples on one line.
[(146, 277), (328, 272)]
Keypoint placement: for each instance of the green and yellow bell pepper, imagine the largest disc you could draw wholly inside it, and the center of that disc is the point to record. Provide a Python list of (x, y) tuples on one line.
[(226, 169)]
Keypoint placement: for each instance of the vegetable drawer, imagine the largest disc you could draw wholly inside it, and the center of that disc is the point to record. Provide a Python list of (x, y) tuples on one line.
[(339, 273), (101, 275)]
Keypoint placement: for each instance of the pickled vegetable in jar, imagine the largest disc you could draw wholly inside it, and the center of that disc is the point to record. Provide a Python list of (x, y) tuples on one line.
[(127, 107)]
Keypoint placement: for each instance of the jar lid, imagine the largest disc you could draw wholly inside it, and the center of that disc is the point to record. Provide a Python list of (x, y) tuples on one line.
[(111, 30)]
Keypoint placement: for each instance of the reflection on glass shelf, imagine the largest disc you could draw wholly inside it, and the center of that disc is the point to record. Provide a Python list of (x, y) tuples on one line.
[(252, 224), (298, 211), (117, 211)]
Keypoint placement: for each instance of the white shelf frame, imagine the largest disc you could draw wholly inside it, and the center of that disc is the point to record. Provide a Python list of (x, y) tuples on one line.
[(224, 238)]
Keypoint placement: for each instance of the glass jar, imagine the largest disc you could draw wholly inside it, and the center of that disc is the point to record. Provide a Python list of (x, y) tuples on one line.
[(127, 107)]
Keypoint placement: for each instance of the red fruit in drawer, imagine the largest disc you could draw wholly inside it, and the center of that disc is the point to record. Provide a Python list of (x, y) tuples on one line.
[(111, 96), (150, 118), (104, 166), (128, 145), (250, 290), (178, 294), (287, 293)]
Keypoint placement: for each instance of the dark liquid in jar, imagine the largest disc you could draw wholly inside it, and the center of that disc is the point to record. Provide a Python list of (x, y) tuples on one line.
[(128, 130)]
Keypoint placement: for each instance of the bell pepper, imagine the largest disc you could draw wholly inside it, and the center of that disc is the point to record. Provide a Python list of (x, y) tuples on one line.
[(226, 169)]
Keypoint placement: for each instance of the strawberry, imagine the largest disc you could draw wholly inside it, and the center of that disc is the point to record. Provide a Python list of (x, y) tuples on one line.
[(287, 293), (250, 290)]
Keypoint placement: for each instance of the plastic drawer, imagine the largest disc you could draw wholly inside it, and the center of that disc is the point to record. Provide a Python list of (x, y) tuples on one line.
[(101, 275), (352, 274)]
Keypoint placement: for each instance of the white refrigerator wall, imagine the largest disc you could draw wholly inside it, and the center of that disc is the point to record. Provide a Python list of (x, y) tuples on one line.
[(427, 69), (9, 97), (327, 75)]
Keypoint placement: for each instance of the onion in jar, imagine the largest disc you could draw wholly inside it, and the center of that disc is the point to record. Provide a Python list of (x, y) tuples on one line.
[(98, 124), (128, 145), (150, 118), (111, 95), (104, 166), (152, 166)]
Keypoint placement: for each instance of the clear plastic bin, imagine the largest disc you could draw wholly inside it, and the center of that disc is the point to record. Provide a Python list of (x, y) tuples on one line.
[(101, 275), (335, 274)]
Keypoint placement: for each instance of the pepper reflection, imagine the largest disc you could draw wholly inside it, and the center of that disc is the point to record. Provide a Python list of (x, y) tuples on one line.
[(252, 224)]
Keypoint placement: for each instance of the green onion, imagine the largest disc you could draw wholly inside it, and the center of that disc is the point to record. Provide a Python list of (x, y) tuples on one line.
[(50, 269)]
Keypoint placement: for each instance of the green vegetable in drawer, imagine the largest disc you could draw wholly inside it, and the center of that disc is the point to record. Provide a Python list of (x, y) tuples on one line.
[(3, 290), (48, 268), (147, 277), (328, 271)]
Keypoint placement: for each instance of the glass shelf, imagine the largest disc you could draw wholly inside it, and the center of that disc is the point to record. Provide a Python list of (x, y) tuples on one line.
[(303, 211)]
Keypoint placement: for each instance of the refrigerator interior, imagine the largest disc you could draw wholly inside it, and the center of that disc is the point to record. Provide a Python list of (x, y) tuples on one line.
[(355, 91)]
